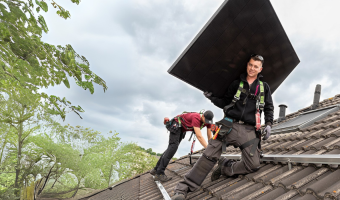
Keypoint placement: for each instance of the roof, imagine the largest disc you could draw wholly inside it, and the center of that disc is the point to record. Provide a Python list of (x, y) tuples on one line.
[(272, 181), (220, 51)]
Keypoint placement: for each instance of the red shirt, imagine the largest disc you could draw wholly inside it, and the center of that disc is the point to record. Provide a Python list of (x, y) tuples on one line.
[(191, 120)]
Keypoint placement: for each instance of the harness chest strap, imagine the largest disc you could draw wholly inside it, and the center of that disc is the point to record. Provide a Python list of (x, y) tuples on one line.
[(259, 97)]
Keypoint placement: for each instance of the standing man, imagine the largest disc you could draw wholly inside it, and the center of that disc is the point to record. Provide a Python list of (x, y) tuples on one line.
[(177, 127), (242, 104)]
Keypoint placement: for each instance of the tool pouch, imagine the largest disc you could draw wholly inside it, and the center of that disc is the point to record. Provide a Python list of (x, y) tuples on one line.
[(168, 123), (173, 127), (227, 125)]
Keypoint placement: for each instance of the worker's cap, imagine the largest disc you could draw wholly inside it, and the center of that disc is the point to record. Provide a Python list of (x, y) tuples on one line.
[(208, 115)]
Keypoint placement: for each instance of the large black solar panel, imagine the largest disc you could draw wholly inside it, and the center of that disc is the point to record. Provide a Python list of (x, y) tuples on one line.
[(220, 52)]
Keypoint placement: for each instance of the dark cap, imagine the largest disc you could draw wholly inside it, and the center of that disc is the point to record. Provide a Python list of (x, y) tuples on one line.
[(208, 115)]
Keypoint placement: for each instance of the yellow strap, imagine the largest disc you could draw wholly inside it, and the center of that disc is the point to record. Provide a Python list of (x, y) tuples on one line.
[(261, 93), (238, 93)]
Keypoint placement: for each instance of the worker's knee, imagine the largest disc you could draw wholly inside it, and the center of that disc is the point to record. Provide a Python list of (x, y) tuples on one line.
[(254, 166)]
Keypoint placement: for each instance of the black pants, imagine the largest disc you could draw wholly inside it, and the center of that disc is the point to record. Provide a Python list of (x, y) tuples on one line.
[(175, 139)]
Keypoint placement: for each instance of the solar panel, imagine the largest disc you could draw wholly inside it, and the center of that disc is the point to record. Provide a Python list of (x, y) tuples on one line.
[(220, 52), (304, 120)]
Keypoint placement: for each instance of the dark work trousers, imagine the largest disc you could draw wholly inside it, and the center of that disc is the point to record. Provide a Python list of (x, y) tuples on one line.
[(175, 139), (239, 135)]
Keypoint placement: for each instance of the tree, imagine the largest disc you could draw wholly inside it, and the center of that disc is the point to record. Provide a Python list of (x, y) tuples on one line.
[(26, 65), (22, 111), (34, 63), (91, 158)]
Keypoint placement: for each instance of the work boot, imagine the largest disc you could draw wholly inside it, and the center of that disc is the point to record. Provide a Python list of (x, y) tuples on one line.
[(178, 196), (153, 172), (161, 178), (218, 171)]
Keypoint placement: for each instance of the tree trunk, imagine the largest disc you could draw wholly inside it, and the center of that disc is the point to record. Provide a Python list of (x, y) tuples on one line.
[(18, 166), (3, 148), (47, 177), (55, 181)]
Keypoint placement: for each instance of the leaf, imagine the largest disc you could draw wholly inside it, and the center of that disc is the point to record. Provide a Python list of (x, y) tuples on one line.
[(42, 4), (67, 84), (43, 23)]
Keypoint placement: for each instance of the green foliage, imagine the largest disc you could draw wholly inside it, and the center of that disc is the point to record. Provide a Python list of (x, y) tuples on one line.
[(34, 63)]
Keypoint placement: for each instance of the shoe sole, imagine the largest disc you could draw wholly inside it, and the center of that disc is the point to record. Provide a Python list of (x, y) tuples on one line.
[(217, 173)]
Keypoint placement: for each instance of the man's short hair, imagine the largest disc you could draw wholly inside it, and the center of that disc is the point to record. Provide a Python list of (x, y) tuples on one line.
[(257, 57)]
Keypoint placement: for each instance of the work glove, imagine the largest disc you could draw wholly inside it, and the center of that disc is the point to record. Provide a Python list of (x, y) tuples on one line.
[(207, 94), (266, 132)]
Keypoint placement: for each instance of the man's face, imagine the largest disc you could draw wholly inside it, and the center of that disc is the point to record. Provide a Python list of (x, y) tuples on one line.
[(254, 67)]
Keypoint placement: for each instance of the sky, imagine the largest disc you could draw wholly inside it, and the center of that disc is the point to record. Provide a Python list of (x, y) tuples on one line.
[(132, 43)]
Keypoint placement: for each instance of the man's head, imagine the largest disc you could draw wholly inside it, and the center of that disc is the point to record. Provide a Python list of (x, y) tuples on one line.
[(254, 66), (207, 117)]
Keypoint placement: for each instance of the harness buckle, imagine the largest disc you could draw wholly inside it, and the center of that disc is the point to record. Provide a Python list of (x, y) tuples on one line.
[(261, 106), (236, 98)]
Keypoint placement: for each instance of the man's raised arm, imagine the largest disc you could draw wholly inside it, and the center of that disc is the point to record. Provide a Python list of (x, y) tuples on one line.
[(200, 137)]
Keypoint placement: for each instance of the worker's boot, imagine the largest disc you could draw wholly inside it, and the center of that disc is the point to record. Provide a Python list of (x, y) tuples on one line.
[(218, 171), (153, 172), (162, 178), (178, 196)]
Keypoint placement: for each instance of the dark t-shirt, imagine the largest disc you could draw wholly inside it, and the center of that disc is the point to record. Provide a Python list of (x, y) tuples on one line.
[(191, 120)]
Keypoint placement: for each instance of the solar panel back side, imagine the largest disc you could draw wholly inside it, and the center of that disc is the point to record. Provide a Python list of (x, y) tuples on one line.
[(220, 52)]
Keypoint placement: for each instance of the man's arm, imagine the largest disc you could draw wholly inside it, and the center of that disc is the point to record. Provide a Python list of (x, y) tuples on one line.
[(200, 137), (268, 107), (228, 97), (209, 135)]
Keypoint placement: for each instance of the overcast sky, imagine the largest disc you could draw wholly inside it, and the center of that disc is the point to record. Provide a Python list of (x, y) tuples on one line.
[(132, 43)]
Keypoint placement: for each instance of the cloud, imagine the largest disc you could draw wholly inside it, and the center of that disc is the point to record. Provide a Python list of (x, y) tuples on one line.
[(131, 44)]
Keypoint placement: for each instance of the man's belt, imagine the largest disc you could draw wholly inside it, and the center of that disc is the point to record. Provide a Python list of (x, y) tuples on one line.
[(240, 122)]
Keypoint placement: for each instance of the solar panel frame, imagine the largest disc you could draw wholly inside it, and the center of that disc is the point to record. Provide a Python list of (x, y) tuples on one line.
[(220, 51)]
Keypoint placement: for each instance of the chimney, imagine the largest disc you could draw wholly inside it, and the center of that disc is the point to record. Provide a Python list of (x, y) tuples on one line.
[(282, 113), (317, 95)]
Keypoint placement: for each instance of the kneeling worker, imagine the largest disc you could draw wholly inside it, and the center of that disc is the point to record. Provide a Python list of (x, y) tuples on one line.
[(242, 104), (177, 127)]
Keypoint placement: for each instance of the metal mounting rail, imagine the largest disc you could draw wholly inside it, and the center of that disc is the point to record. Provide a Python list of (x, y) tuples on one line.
[(306, 158), (163, 191)]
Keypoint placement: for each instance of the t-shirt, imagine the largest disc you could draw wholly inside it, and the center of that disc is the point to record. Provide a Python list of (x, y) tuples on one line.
[(191, 120)]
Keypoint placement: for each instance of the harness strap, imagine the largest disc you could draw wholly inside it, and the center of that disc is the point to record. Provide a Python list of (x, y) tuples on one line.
[(259, 97), (238, 93), (253, 142)]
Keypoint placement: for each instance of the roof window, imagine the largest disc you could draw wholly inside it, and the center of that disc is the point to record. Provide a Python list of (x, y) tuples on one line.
[(304, 119)]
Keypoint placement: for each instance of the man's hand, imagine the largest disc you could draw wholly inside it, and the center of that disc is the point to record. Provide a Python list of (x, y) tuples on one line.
[(266, 132), (200, 137), (207, 94)]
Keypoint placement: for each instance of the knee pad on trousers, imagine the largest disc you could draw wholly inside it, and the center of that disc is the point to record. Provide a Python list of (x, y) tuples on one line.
[(201, 169)]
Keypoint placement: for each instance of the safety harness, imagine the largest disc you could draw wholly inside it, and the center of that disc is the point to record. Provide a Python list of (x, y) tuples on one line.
[(180, 119), (260, 98), (259, 106)]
